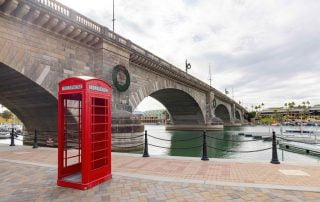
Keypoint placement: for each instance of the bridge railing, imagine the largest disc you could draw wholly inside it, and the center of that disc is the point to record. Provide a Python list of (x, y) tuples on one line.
[(55, 6), (102, 31), (87, 23), (78, 18)]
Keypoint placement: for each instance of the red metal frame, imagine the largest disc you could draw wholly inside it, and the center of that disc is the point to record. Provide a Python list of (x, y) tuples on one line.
[(84, 132)]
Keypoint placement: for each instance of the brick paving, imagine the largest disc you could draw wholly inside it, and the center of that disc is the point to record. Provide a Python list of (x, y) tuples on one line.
[(20, 182), (214, 170), (261, 173), (23, 182)]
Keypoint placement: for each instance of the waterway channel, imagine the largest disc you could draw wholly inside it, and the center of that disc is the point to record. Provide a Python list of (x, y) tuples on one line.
[(230, 133)]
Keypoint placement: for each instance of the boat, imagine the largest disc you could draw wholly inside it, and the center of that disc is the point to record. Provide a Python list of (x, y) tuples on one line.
[(4, 134), (303, 148), (298, 131), (311, 124)]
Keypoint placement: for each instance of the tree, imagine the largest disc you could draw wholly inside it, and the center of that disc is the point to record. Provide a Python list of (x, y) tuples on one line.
[(305, 107), (308, 104), (251, 115), (287, 109), (277, 116), (290, 107), (6, 114)]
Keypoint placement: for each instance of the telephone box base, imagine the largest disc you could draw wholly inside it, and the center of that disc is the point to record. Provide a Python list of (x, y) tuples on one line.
[(74, 185)]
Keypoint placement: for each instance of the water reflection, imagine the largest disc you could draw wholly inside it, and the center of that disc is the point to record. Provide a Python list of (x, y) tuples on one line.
[(230, 133)]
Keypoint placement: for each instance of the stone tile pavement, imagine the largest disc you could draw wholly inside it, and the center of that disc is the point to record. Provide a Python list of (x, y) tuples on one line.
[(21, 182), (30, 175)]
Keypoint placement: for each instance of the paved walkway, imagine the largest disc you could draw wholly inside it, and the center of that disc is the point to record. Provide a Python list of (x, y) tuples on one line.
[(28, 175)]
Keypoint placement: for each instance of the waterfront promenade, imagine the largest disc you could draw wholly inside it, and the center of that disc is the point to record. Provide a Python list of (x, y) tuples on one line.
[(30, 175)]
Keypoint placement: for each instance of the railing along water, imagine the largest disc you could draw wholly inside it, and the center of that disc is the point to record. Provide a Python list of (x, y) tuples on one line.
[(50, 142)]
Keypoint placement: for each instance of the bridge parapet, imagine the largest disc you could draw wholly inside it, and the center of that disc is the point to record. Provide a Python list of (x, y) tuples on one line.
[(56, 17), (53, 16), (55, 6)]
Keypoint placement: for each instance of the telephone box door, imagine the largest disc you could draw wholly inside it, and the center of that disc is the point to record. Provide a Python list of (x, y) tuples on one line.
[(100, 136)]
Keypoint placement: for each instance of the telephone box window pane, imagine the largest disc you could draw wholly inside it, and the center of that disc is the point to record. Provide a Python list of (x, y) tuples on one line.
[(99, 132), (72, 106), (99, 145), (99, 163)]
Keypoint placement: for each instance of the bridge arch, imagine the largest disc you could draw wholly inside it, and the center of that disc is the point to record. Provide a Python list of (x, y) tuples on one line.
[(31, 103), (223, 113), (183, 105)]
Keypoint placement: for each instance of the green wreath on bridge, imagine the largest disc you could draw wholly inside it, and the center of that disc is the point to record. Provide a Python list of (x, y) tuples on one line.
[(120, 78), (214, 103)]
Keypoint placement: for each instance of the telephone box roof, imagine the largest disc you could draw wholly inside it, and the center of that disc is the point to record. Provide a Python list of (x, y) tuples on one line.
[(86, 78)]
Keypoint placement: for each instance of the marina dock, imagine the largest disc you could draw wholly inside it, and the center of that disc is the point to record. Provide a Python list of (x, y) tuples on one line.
[(300, 148)]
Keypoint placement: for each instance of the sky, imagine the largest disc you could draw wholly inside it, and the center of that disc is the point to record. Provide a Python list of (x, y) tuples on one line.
[(264, 51)]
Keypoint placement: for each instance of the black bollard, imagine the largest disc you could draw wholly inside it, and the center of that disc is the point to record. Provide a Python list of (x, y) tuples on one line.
[(145, 151), (35, 139), (12, 137), (274, 159), (204, 148)]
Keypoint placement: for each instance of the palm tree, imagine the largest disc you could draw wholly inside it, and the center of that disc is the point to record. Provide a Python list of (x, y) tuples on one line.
[(308, 103), (293, 104), (290, 106), (286, 107), (305, 109)]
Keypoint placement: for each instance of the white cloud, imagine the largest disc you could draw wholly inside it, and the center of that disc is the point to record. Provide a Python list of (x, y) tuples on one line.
[(268, 51)]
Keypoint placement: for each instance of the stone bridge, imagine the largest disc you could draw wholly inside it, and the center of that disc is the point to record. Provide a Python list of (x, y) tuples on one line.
[(43, 42)]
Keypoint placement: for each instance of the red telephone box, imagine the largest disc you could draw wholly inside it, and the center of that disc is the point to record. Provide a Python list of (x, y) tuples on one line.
[(84, 132)]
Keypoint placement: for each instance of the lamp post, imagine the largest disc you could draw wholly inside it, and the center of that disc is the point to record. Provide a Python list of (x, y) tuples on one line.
[(188, 66), (113, 16)]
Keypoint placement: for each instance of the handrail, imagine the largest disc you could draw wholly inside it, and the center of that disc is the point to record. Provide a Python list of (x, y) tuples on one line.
[(175, 140), (250, 151)]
